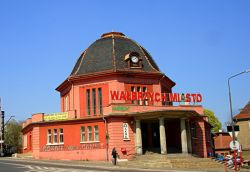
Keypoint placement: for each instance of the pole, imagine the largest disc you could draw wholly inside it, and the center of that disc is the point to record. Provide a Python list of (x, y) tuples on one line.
[(235, 161), (231, 112), (1, 129)]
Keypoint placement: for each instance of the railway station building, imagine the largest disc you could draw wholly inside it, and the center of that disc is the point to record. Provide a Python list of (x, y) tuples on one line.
[(116, 96)]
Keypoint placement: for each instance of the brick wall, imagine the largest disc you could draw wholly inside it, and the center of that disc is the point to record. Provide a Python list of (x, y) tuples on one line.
[(115, 129), (199, 143)]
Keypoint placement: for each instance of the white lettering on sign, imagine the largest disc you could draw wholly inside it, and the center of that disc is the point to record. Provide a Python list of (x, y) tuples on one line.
[(125, 131)]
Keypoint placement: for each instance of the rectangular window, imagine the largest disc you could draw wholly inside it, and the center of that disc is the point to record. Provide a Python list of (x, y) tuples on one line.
[(139, 90), (55, 140), (83, 134), (144, 90), (100, 100), (25, 140), (88, 101), (49, 137), (61, 136), (133, 90), (96, 133), (94, 100), (89, 133)]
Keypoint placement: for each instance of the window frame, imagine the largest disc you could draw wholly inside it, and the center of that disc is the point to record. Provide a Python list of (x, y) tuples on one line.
[(100, 100), (89, 131), (83, 134), (96, 133), (61, 136), (55, 136), (88, 102), (49, 136), (94, 100), (145, 90)]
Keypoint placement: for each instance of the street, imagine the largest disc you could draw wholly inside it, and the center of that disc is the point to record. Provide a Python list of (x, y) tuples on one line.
[(21, 166), (26, 165), (12, 165)]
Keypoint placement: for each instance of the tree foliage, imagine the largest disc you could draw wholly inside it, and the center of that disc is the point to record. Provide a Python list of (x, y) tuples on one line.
[(13, 134), (213, 120)]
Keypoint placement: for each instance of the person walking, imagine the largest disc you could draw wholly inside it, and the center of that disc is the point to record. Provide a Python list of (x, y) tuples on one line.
[(114, 156)]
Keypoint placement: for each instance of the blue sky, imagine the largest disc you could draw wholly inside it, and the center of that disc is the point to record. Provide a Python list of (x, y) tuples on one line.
[(198, 44)]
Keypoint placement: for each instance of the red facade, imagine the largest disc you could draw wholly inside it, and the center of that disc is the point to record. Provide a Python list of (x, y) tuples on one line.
[(92, 122), (221, 143)]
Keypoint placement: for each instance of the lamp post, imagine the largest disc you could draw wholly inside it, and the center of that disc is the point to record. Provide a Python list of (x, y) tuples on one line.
[(231, 111), (2, 136)]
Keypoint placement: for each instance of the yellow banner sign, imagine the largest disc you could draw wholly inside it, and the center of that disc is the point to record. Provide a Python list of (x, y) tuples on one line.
[(56, 116)]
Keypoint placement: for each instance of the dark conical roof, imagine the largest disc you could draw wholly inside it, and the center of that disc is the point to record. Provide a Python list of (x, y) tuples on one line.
[(107, 54)]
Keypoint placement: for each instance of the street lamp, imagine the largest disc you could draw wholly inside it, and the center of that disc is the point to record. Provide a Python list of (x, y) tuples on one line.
[(230, 99), (231, 111)]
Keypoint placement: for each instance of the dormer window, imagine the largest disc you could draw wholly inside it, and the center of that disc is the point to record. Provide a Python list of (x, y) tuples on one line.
[(134, 60)]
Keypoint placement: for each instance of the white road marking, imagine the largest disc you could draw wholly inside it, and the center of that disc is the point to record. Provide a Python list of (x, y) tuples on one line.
[(35, 168)]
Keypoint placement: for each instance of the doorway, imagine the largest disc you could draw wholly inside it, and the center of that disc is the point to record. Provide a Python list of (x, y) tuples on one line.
[(150, 136), (173, 135)]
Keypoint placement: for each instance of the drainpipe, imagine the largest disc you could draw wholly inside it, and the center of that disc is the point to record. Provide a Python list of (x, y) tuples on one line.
[(106, 137)]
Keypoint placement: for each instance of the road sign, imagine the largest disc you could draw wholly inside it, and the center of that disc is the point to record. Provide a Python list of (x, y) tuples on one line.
[(236, 130), (235, 146)]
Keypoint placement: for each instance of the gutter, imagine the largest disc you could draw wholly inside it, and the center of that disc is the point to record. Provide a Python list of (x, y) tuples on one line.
[(106, 137)]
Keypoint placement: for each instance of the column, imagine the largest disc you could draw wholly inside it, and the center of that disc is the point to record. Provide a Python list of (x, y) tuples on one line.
[(189, 138), (184, 145), (162, 136), (138, 137)]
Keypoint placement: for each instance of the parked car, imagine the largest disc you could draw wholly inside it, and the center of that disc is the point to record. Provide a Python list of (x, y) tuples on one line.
[(220, 158)]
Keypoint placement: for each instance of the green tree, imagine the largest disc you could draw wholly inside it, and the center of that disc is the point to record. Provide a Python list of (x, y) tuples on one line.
[(213, 120), (13, 134)]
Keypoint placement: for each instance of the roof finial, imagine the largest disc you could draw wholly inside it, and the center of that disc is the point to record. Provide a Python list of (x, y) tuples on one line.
[(112, 34)]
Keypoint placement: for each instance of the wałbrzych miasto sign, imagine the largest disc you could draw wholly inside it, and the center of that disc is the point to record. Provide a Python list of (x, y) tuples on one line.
[(156, 96)]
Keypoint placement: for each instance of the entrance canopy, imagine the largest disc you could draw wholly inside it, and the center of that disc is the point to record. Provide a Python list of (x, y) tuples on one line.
[(147, 112)]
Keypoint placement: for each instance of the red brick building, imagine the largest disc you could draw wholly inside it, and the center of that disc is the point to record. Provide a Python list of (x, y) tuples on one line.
[(221, 143), (116, 96)]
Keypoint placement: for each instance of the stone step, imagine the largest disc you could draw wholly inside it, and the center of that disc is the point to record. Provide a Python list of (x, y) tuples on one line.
[(178, 161)]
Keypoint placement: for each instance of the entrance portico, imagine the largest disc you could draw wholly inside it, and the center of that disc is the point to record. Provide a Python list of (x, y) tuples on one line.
[(163, 133)]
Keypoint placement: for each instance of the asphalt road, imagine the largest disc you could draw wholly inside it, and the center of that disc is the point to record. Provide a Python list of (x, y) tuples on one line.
[(15, 165), (25, 166), (12, 165)]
